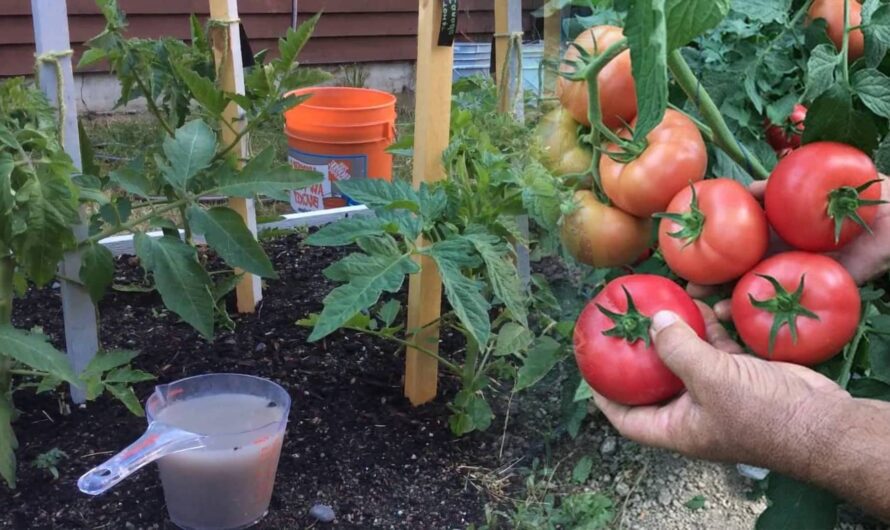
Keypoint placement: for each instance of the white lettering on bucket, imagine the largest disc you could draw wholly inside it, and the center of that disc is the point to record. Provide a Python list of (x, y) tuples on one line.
[(311, 198)]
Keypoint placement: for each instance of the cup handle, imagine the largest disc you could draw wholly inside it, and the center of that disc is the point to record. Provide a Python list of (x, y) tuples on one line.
[(159, 440)]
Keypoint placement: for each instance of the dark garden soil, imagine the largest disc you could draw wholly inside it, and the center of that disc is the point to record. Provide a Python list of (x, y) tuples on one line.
[(353, 441)]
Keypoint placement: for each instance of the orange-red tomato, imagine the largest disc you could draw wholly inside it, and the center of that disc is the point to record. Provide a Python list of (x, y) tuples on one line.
[(714, 236), (618, 95), (675, 157), (833, 13), (603, 236)]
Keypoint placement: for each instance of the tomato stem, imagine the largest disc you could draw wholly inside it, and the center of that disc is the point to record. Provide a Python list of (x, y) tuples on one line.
[(844, 203), (785, 307), (630, 326), (691, 222)]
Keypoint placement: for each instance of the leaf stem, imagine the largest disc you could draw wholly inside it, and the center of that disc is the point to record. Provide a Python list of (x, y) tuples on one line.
[(152, 105), (846, 40), (35, 373), (843, 379), (448, 364), (7, 272), (108, 232), (723, 137)]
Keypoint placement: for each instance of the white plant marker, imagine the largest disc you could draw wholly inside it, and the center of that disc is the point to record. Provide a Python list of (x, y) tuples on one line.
[(51, 36)]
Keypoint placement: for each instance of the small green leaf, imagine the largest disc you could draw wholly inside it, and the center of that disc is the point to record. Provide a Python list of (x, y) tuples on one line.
[(821, 71), (346, 232), (465, 296), (91, 56), (292, 43), (879, 357), (696, 503), (764, 11), (389, 311), (404, 146), (882, 155), (797, 506), (34, 351), (832, 118), (96, 270), (184, 285), (480, 412), (87, 156), (687, 19), (878, 23), (203, 90), (133, 178), (188, 152), (226, 233), (513, 339), (7, 201), (128, 376), (873, 88), (8, 441), (502, 274), (376, 193), (542, 357), (869, 389), (105, 361), (584, 391), (582, 469), (126, 396)]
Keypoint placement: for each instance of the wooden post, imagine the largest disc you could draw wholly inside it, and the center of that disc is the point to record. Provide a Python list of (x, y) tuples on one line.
[(508, 22), (227, 52), (53, 44), (552, 50), (433, 109)]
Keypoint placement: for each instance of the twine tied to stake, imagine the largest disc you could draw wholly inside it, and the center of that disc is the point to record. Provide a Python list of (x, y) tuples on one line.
[(55, 58)]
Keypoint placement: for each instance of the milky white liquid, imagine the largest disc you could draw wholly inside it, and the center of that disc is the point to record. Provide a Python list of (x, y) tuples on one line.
[(227, 484)]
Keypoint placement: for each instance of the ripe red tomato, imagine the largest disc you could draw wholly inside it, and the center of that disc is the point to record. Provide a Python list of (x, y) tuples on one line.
[(713, 231), (821, 196), (784, 138), (833, 13), (612, 344), (796, 307), (603, 236), (675, 157), (618, 95), (562, 151)]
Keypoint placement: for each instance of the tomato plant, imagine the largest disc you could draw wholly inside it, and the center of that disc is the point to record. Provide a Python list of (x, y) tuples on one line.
[(675, 155), (786, 138), (564, 154), (832, 11), (604, 236), (617, 93), (713, 231), (822, 195), (613, 348), (796, 307)]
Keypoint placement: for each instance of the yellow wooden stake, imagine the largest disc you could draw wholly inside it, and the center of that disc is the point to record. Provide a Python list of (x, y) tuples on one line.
[(227, 52), (433, 111), (502, 37), (552, 50)]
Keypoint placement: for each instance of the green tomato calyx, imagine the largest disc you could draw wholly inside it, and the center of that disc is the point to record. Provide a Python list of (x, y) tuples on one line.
[(631, 325), (843, 204), (692, 222), (785, 307)]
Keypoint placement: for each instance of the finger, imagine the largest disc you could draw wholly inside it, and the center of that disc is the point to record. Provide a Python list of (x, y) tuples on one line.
[(680, 348), (723, 310), (758, 189), (645, 425), (716, 333)]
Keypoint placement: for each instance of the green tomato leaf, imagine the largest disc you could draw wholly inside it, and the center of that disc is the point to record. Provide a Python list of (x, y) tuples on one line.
[(502, 274), (346, 232), (8, 441), (96, 270), (33, 350), (389, 311), (581, 471), (133, 178), (647, 39), (226, 233), (188, 152), (764, 11), (876, 22), (91, 56), (879, 357), (463, 293), (832, 118), (687, 19), (292, 43), (873, 88), (185, 287), (106, 361), (513, 339), (128, 376), (126, 396), (368, 279), (203, 90), (260, 177), (882, 155), (584, 391), (696, 503), (7, 201), (541, 358), (869, 389), (797, 506), (821, 71), (379, 194)]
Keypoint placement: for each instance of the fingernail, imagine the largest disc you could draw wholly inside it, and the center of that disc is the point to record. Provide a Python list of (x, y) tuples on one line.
[(662, 319)]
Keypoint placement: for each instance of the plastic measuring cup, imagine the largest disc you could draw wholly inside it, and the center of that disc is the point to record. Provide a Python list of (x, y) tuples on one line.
[(217, 439)]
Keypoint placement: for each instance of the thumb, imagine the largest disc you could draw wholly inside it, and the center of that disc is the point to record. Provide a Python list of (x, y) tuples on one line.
[(679, 347)]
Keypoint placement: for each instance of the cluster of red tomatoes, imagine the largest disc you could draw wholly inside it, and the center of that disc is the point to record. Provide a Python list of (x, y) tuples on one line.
[(797, 306)]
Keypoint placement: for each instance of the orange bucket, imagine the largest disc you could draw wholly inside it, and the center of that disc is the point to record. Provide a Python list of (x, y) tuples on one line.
[(343, 134)]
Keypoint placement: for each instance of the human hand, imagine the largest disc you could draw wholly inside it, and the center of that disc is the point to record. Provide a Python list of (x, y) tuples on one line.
[(736, 408)]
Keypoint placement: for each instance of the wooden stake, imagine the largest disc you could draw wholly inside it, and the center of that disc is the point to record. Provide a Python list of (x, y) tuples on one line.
[(227, 52), (433, 109), (552, 50), (52, 40)]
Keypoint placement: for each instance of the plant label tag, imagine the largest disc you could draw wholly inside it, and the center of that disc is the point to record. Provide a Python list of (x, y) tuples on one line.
[(448, 27)]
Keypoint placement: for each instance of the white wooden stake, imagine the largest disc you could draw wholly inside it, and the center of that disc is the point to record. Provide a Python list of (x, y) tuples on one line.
[(81, 325)]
